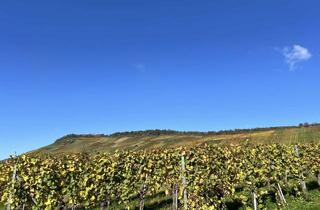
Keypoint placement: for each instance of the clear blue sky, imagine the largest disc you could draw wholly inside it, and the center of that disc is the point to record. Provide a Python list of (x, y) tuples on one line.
[(105, 66)]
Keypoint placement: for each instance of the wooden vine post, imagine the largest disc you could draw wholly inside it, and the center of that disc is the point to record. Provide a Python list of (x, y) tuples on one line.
[(13, 181), (254, 201), (102, 206), (301, 180), (281, 196), (143, 191), (175, 197), (318, 178), (184, 182)]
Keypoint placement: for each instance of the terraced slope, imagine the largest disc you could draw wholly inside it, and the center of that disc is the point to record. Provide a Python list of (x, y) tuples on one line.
[(151, 139)]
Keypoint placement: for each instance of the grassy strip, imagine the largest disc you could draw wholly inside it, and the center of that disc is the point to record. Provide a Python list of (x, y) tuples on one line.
[(159, 201), (162, 202), (312, 202)]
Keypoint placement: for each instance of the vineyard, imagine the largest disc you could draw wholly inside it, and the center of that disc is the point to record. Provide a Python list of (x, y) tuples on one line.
[(202, 177)]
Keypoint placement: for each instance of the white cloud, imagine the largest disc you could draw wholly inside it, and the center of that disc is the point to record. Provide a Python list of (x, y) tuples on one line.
[(295, 54)]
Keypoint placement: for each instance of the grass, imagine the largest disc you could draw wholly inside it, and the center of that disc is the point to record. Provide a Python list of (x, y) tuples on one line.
[(161, 202), (313, 202)]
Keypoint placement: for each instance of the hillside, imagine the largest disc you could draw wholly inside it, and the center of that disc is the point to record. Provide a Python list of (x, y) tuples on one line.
[(138, 140)]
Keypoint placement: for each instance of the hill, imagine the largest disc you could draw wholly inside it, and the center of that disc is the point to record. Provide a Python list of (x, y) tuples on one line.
[(138, 140)]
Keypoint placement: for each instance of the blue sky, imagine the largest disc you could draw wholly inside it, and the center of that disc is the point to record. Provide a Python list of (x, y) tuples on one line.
[(106, 66)]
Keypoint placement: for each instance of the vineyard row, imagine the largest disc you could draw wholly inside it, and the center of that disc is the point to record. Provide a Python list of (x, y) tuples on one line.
[(203, 177)]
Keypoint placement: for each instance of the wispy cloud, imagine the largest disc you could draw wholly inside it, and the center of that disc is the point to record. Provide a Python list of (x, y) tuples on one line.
[(140, 67), (295, 54)]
